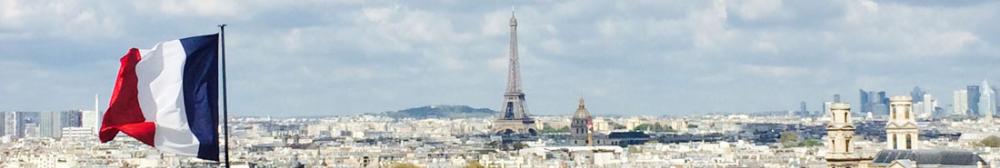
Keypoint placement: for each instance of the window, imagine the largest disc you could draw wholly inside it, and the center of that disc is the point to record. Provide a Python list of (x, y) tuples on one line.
[(907, 116), (893, 114), (833, 144), (847, 145), (909, 144), (895, 145)]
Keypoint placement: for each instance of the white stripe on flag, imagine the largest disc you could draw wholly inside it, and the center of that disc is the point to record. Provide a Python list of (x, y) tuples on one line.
[(161, 72)]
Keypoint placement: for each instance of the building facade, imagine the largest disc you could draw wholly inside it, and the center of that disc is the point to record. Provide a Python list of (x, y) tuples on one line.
[(986, 102), (917, 94), (3, 123), (25, 124), (840, 133), (581, 128), (960, 104), (972, 100), (901, 129), (874, 102)]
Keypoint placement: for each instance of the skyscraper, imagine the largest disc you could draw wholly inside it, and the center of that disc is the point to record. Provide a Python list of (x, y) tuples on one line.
[(901, 130), (3, 123), (71, 118), (514, 117), (882, 97), (8, 120), (925, 108), (865, 101), (89, 119), (930, 106), (973, 100), (50, 124), (22, 122), (996, 101), (875, 102), (917, 94), (803, 111), (986, 106), (960, 106), (826, 108)]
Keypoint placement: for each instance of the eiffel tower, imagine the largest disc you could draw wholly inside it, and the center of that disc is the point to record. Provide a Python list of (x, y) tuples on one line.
[(514, 119)]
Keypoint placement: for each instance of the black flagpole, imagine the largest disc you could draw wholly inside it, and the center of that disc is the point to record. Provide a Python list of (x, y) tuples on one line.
[(225, 104)]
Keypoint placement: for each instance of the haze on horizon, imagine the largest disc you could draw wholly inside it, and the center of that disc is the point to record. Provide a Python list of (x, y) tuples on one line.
[(625, 57)]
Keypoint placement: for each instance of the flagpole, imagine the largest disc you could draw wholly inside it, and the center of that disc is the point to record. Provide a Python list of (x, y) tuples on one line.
[(225, 104)]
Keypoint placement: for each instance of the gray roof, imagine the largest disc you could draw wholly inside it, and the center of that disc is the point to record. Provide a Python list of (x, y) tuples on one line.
[(939, 157)]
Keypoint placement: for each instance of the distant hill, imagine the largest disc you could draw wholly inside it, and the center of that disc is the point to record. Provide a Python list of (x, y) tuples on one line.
[(440, 111)]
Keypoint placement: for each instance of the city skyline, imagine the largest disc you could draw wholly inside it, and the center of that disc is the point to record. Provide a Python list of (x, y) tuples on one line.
[(342, 58)]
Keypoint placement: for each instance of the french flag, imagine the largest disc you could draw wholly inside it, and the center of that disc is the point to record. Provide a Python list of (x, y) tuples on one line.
[(167, 97)]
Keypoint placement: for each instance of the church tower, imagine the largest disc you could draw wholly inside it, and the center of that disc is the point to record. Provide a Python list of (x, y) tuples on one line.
[(839, 134), (581, 129), (901, 130), (514, 117)]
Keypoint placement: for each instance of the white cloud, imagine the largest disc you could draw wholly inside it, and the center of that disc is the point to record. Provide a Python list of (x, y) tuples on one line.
[(709, 26), (62, 19), (869, 5), (498, 64), (608, 28), (9, 11), (379, 14), (757, 9), (214, 8), (371, 56), (773, 72), (553, 46), (939, 43), (495, 23), (765, 46)]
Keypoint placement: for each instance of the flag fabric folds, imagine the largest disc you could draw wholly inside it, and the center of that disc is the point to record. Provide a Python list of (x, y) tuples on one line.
[(167, 97)]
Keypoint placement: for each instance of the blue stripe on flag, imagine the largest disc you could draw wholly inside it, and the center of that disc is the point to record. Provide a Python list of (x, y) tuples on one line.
[(201, 92)]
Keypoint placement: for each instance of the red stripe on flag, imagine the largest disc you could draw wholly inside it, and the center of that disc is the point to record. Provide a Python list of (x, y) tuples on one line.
[(124, 113)]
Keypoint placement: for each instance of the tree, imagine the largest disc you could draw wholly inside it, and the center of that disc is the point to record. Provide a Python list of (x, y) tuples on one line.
[(991, 141), (519, 145), (549, 129), (789, 138), (810, 143), (642, 127), (473, 164), (654, 127)]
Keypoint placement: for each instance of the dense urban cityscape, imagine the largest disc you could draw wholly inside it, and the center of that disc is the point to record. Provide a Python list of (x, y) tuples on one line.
[(836, 136), (910, 130), (873, 129)]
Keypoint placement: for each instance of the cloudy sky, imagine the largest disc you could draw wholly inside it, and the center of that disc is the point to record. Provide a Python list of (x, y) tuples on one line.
[(625, 57)]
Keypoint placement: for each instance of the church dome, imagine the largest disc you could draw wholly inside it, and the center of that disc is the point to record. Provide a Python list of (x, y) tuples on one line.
[(581, 111)]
